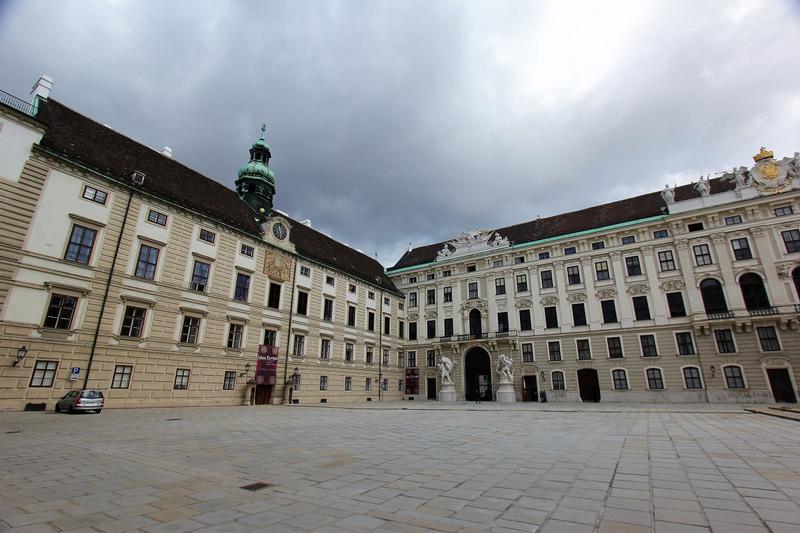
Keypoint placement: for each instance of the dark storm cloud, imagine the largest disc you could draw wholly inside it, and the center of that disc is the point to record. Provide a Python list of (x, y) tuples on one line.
[(393, 122)]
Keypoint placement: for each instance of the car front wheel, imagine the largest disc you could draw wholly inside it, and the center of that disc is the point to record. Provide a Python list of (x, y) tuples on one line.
[(57, 409), (98, 411)]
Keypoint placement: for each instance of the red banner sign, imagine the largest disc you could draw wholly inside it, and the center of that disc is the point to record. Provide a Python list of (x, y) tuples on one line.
[(412, 381), (266, 365)]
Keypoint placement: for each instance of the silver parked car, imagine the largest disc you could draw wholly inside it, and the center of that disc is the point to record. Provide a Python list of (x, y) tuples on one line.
[(81, 400)]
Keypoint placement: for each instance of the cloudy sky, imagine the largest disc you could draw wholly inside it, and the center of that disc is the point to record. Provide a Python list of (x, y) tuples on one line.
[(400, 121)]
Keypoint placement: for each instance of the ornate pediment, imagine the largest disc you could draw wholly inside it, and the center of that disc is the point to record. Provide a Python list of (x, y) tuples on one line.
[(672, 285), (474, 303), (413, 316), (576, 297), (606, 293), (549, 300), (637, 289), (472, 241)]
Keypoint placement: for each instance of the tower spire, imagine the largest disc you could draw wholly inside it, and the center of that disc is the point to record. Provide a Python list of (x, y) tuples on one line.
[(256, 182)]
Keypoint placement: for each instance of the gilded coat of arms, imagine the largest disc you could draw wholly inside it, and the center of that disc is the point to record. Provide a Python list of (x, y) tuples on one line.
[(768, 175)]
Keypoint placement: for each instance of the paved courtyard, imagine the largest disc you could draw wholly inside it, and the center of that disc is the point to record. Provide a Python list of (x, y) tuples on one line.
[(380, 468)]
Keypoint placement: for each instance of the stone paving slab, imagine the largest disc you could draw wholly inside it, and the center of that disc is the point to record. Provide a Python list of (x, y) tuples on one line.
[(402, 468)]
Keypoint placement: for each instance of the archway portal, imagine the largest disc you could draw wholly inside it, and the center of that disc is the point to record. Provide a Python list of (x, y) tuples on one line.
[(477, 375)]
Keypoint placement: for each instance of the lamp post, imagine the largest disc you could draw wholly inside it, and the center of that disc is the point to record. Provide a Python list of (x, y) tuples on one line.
[(246, 370), (21, 353)]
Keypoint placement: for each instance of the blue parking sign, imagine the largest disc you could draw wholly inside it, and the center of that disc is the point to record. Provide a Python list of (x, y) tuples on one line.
[(73, 373)]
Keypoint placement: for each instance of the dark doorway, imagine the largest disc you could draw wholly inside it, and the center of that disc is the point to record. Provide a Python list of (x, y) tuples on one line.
[(530, 389), (263, 394), (589, 385), (431, 388), (477, 375), (475, 323), (781, 385)]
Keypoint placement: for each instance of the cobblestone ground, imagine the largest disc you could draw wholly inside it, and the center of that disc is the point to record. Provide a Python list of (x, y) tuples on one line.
[(596, 468)]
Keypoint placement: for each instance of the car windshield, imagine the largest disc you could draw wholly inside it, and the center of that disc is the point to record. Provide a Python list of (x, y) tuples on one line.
[(70, 394), (92, 394)]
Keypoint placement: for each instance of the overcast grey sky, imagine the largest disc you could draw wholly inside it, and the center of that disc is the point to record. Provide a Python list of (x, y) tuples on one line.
[(395, 121)]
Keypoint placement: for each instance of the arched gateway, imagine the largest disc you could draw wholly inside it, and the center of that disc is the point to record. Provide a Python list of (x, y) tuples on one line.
[(477, 375)]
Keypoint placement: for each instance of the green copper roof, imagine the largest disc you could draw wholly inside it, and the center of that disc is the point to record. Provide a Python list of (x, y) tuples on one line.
[(256, 169)]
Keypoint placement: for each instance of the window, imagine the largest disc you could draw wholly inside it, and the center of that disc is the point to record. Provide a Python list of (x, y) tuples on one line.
[(302, 303), (695, 226), (783, 211), (431, 325), (527, 352), (525, 320), (387, 301), (573, 275), (385, 357), (691, 376), (122, 377), (502, 322), (274, 298), (412, 279), (412, 299), (519, 259), (351, 289), (473, 290), (323, 383), (578, 314), (81, 241), (431, 359), (247, 250), (614, 347), (242, 289), (628, 239), (385, 384), (601, 270), (325, 349), (44, 373), (609, 311), (640, 308), (554, 350), (330, 281), (702, 255), (675, 304), (734, 219), (791, 239), (522, 282), (401, 305), (648, 343), (584, 349), (387, 325), (401, 328), (371, 321), (445, 273), (544, 255), (753, 291), (447, 294), (741, 249), (654, 379), (132, 322), (768, 338), (412, 331), (660, 234), (431, 297), (599, 245), (327, 310), (633, 266), (298, 349), (448, 327), (368, 384), (470, 268), (157, 218), (685, 343), (557, 377), (95, 195), (146, 263), (351, 316), (401, 385), (207, 236), (733, 377), (348, 352), (620, 378), (190, 330), (348, 383), (569, 250), (429, 277), (305, 271), (60, 311), (200, 276), (497, 263), (547, 279), (181, 379), (666, 261), (724, 338), (550, 317), (270, 337), (412, 359), (229, 380), (713, 297), (500, 286)]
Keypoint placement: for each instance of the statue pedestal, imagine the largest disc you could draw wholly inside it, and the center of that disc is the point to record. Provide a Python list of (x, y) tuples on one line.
[(506, 394), (448, 393)]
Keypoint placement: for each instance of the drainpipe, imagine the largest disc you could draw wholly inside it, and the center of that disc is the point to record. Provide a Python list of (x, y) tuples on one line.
[(289, 333), (380, 346), (108, 288)]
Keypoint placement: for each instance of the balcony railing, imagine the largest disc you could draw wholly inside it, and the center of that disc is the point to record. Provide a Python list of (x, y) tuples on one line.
[(479, 336), (763, 311), (721, 315), (17, 103)]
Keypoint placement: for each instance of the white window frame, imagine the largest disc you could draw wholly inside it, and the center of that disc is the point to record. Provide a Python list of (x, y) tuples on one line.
[(627, 378), (663, 379), (641, 348), (700, 371)]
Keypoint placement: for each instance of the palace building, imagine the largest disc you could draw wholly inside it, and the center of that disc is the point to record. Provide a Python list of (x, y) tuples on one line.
[(125, 270)]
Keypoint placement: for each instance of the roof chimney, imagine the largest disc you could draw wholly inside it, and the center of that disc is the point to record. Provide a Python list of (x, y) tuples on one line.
[(41, 90), (166, 152), (306, 222)]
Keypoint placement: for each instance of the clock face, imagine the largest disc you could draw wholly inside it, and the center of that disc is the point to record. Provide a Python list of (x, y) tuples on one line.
[(279, 230)]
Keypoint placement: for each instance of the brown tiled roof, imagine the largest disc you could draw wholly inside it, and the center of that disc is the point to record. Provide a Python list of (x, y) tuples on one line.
[(100, 148), (629, 209)]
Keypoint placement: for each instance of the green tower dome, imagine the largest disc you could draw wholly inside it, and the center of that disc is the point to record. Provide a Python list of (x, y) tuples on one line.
[(256, 182)]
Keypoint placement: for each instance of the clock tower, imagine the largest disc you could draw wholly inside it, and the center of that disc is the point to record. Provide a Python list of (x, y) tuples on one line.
[(256, 182)]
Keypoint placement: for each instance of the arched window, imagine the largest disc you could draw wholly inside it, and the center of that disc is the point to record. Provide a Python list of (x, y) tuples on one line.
[(655, 381), (557, 379), (796, 279), (753, 291), (691, 376), (734, 378), (620, 379), (713, 297)]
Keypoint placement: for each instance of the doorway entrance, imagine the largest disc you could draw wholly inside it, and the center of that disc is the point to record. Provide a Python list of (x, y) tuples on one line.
[(263, 394), (781, 385), (530, 389), (477, 375), (589, 385), (431, 388), (475, 324)]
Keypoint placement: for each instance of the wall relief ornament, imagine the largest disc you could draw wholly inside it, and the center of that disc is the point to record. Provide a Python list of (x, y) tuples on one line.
[(549, 300), (472, 241), (413, 316), (576, 297), (637, 289), (606, 293), (672, 285), (277, 266), (785, 270), (523, 303), (430, 315), (469, 305)]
